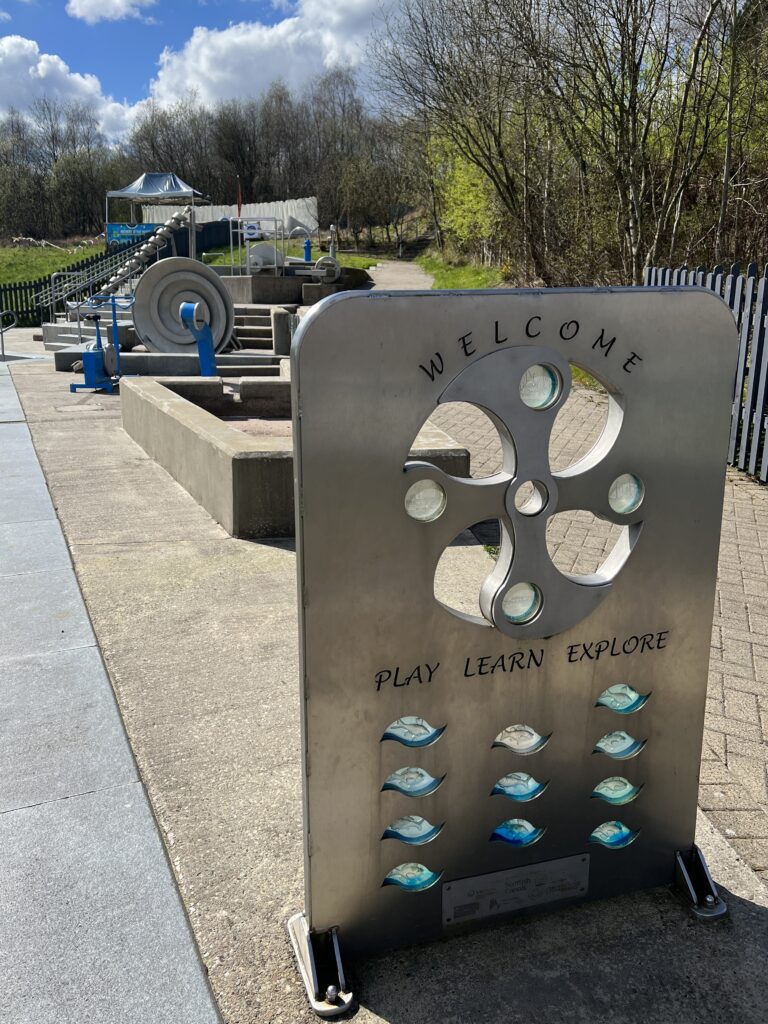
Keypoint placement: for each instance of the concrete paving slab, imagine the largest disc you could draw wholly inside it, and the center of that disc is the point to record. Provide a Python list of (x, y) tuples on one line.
[(10, 410), (60, 732), (32, 547), (92, 928), (17, 445), (24, 498), (42, 612)]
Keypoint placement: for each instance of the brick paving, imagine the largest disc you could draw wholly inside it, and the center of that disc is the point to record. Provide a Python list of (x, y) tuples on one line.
[(734, 775)]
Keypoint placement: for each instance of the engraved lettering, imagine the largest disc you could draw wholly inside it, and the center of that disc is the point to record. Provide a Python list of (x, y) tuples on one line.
[(600, 646), (529, 333), (569, 329), (436, 367), (497, 339), (634, 358), (606, 346), (382, 677), (646, 642), (466, 343)]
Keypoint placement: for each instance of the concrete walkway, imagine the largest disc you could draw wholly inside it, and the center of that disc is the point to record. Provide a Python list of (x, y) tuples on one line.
[(400, 276), (199, 634), (91, 924)]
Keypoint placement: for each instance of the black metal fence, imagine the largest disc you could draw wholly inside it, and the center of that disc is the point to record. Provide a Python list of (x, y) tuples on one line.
[(20, 298), (747, 297)]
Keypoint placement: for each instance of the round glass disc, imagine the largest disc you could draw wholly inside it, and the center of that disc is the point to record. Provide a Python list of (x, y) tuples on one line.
[(425, 501), (531, 497), (521, 602), (540, 386), (626, 493)]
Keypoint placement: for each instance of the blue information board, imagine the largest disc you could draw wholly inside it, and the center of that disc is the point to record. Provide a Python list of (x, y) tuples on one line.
[(121, 233)]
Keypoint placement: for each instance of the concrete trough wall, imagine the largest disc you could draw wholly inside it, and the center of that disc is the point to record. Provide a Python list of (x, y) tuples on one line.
[(244, 481), (268, 288)]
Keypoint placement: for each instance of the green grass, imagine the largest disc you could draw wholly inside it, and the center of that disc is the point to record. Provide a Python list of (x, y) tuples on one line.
[(462, 276), (29, 264), (220, 256)]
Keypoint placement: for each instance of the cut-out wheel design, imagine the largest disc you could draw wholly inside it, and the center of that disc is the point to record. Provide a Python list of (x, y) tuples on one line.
[(525, 595)]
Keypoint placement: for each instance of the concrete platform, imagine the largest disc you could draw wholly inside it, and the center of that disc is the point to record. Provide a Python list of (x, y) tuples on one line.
[(171, 364)]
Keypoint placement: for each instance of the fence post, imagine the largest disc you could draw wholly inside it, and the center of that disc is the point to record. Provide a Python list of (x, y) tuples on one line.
[(741, 366)]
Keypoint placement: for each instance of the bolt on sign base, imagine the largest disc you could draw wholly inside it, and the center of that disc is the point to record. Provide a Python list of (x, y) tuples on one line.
[(693, 883), (543, 749), (319, 961)]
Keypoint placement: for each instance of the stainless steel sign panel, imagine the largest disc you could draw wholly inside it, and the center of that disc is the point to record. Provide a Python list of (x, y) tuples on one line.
[(567, 719)]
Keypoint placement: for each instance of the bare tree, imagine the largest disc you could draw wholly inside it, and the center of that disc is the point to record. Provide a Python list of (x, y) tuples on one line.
[(460, 65)]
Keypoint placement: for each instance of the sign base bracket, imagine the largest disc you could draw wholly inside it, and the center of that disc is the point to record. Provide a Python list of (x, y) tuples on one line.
[(694, 884), (319, 959)]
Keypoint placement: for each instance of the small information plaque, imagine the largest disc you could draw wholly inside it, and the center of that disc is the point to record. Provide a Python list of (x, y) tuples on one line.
[(504, 892)]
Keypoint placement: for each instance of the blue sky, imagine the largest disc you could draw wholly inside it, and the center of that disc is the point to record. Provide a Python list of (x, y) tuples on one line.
[(115, 54), (124, 54)]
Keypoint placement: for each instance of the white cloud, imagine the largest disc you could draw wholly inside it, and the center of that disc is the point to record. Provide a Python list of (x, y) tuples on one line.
[(27, 74), (4, 16), (107, 10), (217, 64), (244, 58)]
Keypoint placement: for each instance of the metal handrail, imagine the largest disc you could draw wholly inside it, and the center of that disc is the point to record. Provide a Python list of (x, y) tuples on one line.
[(3, 328), (115, 263), (52, 295)]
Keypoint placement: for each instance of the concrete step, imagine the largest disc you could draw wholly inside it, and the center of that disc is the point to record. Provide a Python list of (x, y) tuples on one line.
[(246, 332), (241, 320), (64, 341), (125, 332), (106, 315), (259, 344), (245, 309)]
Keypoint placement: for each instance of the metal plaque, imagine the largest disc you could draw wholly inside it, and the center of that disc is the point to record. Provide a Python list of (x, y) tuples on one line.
[(505, 892), (565, 717)]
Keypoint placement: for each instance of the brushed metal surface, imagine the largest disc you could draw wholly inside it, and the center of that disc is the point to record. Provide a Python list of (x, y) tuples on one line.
[(376, 645)]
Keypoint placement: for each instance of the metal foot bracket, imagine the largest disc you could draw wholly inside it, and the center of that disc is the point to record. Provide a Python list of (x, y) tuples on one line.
[(694, 883), (322, 972)]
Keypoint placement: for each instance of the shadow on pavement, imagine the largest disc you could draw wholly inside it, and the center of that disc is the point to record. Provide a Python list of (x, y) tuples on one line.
[(640, 959)]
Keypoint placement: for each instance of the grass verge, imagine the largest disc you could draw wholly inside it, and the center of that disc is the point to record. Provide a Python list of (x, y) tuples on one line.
[(220, 256), (459, 277), (18, 265)]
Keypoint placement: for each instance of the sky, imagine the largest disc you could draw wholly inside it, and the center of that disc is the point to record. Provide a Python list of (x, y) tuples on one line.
[(116, 54)]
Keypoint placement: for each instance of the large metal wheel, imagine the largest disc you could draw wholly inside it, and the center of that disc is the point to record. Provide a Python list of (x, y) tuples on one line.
[(161, 290)]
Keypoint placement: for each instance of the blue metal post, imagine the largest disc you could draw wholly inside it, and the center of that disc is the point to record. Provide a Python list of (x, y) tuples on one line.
[(202, 336), (115, 336), (307, 250)]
